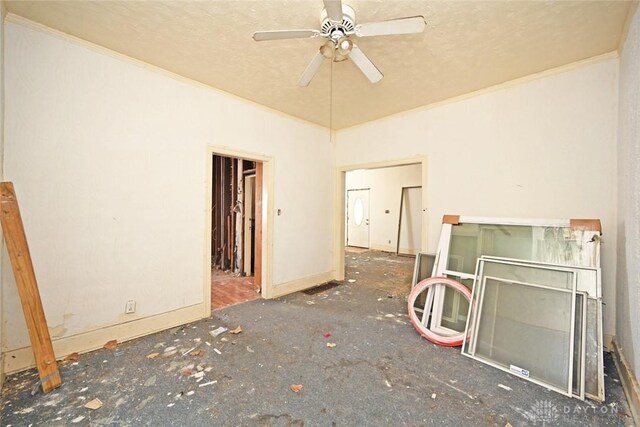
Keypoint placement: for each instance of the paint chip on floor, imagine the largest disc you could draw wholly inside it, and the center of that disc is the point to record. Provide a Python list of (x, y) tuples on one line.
[(94, 404), (209, 383)]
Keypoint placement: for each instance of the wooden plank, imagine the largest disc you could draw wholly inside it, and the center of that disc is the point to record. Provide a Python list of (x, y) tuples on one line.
[(451, 219), (232, 215), (20, 257), (586, 224), (257, 268)]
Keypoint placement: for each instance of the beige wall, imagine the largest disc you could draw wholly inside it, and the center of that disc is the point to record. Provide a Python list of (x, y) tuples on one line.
[(109, 161), (628, 277), (539, 149)]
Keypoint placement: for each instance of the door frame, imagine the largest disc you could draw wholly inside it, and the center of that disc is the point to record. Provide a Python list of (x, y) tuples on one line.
[(339, 212), (346, 224), (266, 216), (247, 226)]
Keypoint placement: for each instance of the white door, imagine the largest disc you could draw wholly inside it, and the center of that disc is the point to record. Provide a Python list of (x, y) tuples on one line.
[(411, 221), (358, 218)]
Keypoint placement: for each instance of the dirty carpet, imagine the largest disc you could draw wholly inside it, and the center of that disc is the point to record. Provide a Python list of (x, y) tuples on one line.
[(344, 356)]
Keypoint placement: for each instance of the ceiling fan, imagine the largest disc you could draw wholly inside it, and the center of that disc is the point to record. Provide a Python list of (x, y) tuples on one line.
[(338, 25)]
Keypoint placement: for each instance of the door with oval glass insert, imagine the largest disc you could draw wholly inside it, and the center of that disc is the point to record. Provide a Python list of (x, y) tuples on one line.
[(358, 218)]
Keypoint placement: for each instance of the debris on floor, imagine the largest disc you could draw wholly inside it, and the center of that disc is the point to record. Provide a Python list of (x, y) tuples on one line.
[(218, 331), (73, 357), (169, 351), (208, 383), (110, 345), (374, 378), (296, 388), (94, 404)]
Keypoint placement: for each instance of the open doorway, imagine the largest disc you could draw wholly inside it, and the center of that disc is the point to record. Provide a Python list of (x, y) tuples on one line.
[(236, 230), (384, 209), (383, 224)]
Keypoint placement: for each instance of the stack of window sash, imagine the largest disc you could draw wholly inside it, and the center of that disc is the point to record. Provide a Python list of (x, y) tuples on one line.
[(536, 308)]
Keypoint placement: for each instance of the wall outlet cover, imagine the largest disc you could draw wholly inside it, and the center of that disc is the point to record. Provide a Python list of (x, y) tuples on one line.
[(130, 307)]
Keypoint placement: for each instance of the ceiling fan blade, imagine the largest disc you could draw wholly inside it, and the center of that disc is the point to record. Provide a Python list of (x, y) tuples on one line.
[(284, 34), (364, 63), (410, 25), (334, 9), (311, 70)]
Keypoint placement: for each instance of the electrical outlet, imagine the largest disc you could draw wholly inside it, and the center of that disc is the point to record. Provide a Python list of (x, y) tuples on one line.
[(130, 307)]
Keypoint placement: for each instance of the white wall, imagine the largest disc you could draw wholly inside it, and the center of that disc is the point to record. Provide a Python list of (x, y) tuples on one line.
[(108, 158), (385, 185), (540, 149), (628, 278)]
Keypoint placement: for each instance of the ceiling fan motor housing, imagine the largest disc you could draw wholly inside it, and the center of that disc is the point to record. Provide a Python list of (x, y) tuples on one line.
[(347, 26)]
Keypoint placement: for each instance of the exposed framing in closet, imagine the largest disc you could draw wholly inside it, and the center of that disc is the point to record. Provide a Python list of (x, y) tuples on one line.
[(236, 217)]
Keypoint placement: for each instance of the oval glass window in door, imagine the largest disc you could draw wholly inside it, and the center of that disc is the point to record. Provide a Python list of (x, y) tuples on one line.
[(358, 211)]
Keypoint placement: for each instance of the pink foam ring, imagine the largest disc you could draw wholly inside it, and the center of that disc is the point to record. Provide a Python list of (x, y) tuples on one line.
[(447, 341)]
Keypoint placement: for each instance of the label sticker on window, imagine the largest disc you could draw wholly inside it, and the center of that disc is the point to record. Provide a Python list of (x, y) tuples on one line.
[(519, 371)]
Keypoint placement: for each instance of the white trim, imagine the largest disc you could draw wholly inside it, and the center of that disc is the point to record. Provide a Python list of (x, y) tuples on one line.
[(22, 358), (301, 284), (531, 222)]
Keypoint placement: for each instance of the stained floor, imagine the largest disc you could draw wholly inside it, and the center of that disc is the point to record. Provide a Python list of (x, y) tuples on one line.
[(228, 289), (380, 371)]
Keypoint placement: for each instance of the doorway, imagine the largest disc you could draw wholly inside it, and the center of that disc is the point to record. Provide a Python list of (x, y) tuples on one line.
[(393, 200), (236, 230)]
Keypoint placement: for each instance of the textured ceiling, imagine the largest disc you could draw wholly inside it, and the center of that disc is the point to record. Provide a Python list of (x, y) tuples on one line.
[(468, 45)]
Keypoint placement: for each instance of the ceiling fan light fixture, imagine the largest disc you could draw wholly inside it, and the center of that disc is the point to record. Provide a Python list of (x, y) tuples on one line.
[(338, 25), (344, 46), (328, 49)]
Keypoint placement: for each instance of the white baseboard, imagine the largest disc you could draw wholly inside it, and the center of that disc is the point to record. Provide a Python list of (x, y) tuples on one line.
[(629, 381), (301, 284), (22, 358)]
